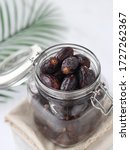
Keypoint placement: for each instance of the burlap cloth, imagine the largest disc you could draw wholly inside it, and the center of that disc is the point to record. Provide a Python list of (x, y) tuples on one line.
[(21, 121)]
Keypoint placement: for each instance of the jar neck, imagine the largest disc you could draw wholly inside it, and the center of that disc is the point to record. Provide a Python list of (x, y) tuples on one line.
[(67, 95), (64, 95)]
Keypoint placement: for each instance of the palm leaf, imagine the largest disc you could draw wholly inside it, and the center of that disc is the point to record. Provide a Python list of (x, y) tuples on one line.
[(28, 23)]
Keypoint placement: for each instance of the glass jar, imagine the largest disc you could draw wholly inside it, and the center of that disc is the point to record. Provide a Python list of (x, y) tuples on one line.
[(67, 118)]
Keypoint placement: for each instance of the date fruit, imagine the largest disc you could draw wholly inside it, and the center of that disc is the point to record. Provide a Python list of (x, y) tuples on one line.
[(69, 83), (86, 76), (83, 60), (64, 53), (50, 65), (69, 65), (50, 81)]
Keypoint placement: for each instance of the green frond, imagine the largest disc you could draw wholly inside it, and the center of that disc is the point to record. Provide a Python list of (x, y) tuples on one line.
[(8, 18), (37, 22), (2, 22), (15, 15), (5, 96)]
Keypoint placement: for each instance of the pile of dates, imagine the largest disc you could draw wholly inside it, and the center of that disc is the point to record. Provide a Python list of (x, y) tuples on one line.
[(65, 122), (67, 71)]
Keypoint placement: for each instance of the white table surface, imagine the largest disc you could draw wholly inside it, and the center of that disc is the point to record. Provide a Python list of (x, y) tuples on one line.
[(90, 25)]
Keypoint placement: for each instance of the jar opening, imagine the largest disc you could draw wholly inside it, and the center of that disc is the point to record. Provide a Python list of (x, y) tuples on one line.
[(68, 94)]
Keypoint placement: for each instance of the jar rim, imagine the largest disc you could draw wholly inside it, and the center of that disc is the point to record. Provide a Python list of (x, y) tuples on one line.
[(67, 94)]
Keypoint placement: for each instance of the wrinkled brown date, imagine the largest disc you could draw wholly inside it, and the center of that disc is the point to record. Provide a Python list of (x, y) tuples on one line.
[(50, 81), (86, 76), (50, 65), (69, 83), (69, 65), (83, 60), (64, 53)]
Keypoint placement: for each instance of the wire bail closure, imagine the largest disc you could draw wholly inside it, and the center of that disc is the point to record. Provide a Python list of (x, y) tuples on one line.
[(97, 104)]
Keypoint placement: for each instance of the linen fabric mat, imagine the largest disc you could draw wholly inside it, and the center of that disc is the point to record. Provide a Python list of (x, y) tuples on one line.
[(22, 123)]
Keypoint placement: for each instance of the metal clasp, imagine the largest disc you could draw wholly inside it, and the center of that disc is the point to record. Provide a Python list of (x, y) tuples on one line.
[(107, 100)]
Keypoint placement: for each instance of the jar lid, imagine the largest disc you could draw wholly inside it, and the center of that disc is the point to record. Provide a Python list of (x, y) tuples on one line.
[(18, 67)]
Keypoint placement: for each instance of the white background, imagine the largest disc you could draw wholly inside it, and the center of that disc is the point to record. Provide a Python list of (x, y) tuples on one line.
[(90, 25)]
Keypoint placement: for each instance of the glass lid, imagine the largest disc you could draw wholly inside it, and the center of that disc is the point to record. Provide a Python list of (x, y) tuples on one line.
[(17, 68)]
